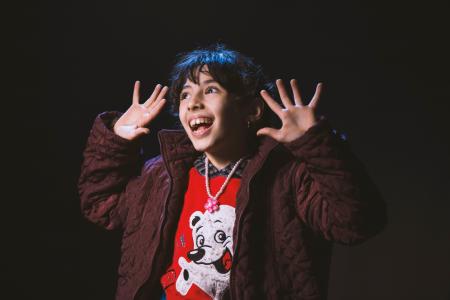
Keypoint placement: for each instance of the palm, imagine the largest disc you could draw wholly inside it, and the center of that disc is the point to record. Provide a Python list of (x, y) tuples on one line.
[(132, 123), (296, 118)]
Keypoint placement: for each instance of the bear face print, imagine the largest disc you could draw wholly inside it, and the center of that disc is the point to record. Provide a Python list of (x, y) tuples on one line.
[(211, 258)]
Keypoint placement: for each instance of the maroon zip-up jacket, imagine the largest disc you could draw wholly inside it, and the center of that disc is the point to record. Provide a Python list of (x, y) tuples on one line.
[(294, 201)]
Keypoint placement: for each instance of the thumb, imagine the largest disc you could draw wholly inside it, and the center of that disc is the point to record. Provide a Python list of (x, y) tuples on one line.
[(267, 131), (141, 131)]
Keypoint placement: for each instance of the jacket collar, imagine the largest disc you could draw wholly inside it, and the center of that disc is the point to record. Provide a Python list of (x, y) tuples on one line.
[(176, 148)]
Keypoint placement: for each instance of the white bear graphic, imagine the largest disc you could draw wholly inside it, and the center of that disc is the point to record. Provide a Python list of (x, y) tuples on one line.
[(210, 264)]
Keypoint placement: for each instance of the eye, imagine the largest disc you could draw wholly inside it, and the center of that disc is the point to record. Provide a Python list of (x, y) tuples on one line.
[(220, 236), (200, 240), (211, 89), (183, 96)]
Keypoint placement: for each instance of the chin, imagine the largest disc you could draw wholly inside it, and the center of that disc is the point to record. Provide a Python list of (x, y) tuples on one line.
[(205, 143), (201, 146)]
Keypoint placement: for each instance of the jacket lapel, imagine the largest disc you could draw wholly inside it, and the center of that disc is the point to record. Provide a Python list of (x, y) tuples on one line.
[(179, 154)]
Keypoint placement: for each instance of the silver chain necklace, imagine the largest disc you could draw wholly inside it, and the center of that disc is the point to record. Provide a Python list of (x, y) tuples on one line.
[(212, 204)]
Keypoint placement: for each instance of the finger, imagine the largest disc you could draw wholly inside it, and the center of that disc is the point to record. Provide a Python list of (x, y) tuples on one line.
[(156, 109), (161, 94), (153, 96), (271, 103), (296, 92), (283, 94), (273, 133), (137, 84), (156, 103), (315, 100), (141, 131)]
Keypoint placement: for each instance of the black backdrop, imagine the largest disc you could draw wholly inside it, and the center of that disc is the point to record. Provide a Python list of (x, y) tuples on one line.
[(384, 66)]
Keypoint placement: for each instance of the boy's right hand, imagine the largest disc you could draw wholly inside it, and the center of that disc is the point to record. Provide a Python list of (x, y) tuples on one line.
[(131, 124)]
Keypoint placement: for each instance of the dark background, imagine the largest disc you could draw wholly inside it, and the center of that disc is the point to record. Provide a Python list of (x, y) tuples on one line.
[(385, 69)]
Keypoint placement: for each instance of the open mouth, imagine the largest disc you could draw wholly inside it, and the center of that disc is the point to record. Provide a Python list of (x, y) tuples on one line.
[(200, 126), (223, 264)]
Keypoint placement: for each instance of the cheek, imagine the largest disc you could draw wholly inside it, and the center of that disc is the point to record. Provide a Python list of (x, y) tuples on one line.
[(185, 126), (235, 120), (181, 114), (231, 113), (181, 109)]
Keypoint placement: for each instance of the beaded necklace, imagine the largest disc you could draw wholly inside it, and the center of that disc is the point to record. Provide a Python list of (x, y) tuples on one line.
[(212, 205)]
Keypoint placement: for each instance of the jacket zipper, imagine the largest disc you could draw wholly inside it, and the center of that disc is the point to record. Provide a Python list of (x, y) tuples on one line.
[(162, 219), (233, 293)]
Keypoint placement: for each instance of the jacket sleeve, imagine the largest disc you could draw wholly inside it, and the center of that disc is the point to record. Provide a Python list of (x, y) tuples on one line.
[(109, 167), (334, 194)]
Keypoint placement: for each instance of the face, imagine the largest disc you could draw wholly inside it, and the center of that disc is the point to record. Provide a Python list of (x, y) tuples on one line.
[(211, 116)]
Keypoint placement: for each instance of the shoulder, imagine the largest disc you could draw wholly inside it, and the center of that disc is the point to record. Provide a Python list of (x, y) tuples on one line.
[(154, 165)]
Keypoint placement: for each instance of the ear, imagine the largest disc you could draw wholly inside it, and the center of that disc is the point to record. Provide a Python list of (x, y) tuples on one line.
[(194, 219), (256, 110)]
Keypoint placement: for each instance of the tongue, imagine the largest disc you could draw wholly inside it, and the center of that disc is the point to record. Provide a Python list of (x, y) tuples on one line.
[(226, 260), (201, 129)]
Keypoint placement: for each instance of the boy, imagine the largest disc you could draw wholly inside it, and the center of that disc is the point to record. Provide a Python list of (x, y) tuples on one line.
[(231, 209)]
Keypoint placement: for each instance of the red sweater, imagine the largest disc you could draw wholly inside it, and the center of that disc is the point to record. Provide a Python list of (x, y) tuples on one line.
[(203, 247)]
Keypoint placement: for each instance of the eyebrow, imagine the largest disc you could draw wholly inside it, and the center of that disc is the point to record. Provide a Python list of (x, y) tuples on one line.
[(204, 82)]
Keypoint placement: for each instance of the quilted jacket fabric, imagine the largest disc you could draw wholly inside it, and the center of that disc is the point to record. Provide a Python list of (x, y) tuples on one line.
[(294, 201)]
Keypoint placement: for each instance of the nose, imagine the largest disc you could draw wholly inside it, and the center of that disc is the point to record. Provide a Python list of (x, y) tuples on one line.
[(196, 254), (196, 102)]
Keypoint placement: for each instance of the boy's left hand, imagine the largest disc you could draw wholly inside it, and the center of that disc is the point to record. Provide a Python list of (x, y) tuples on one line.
[(296, 118)]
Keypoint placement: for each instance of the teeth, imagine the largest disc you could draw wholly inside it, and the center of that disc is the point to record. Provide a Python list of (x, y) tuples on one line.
[(199, 121)]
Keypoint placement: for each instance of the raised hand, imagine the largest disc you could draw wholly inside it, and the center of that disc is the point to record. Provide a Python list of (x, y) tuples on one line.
[(296, 117), (131, 124)]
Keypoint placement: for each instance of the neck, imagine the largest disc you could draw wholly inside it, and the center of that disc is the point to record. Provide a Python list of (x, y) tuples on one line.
[(221, 159), (221, 162)]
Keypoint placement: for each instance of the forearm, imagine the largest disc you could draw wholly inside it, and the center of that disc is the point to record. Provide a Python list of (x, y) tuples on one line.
[(334, 193), (109, 163)]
